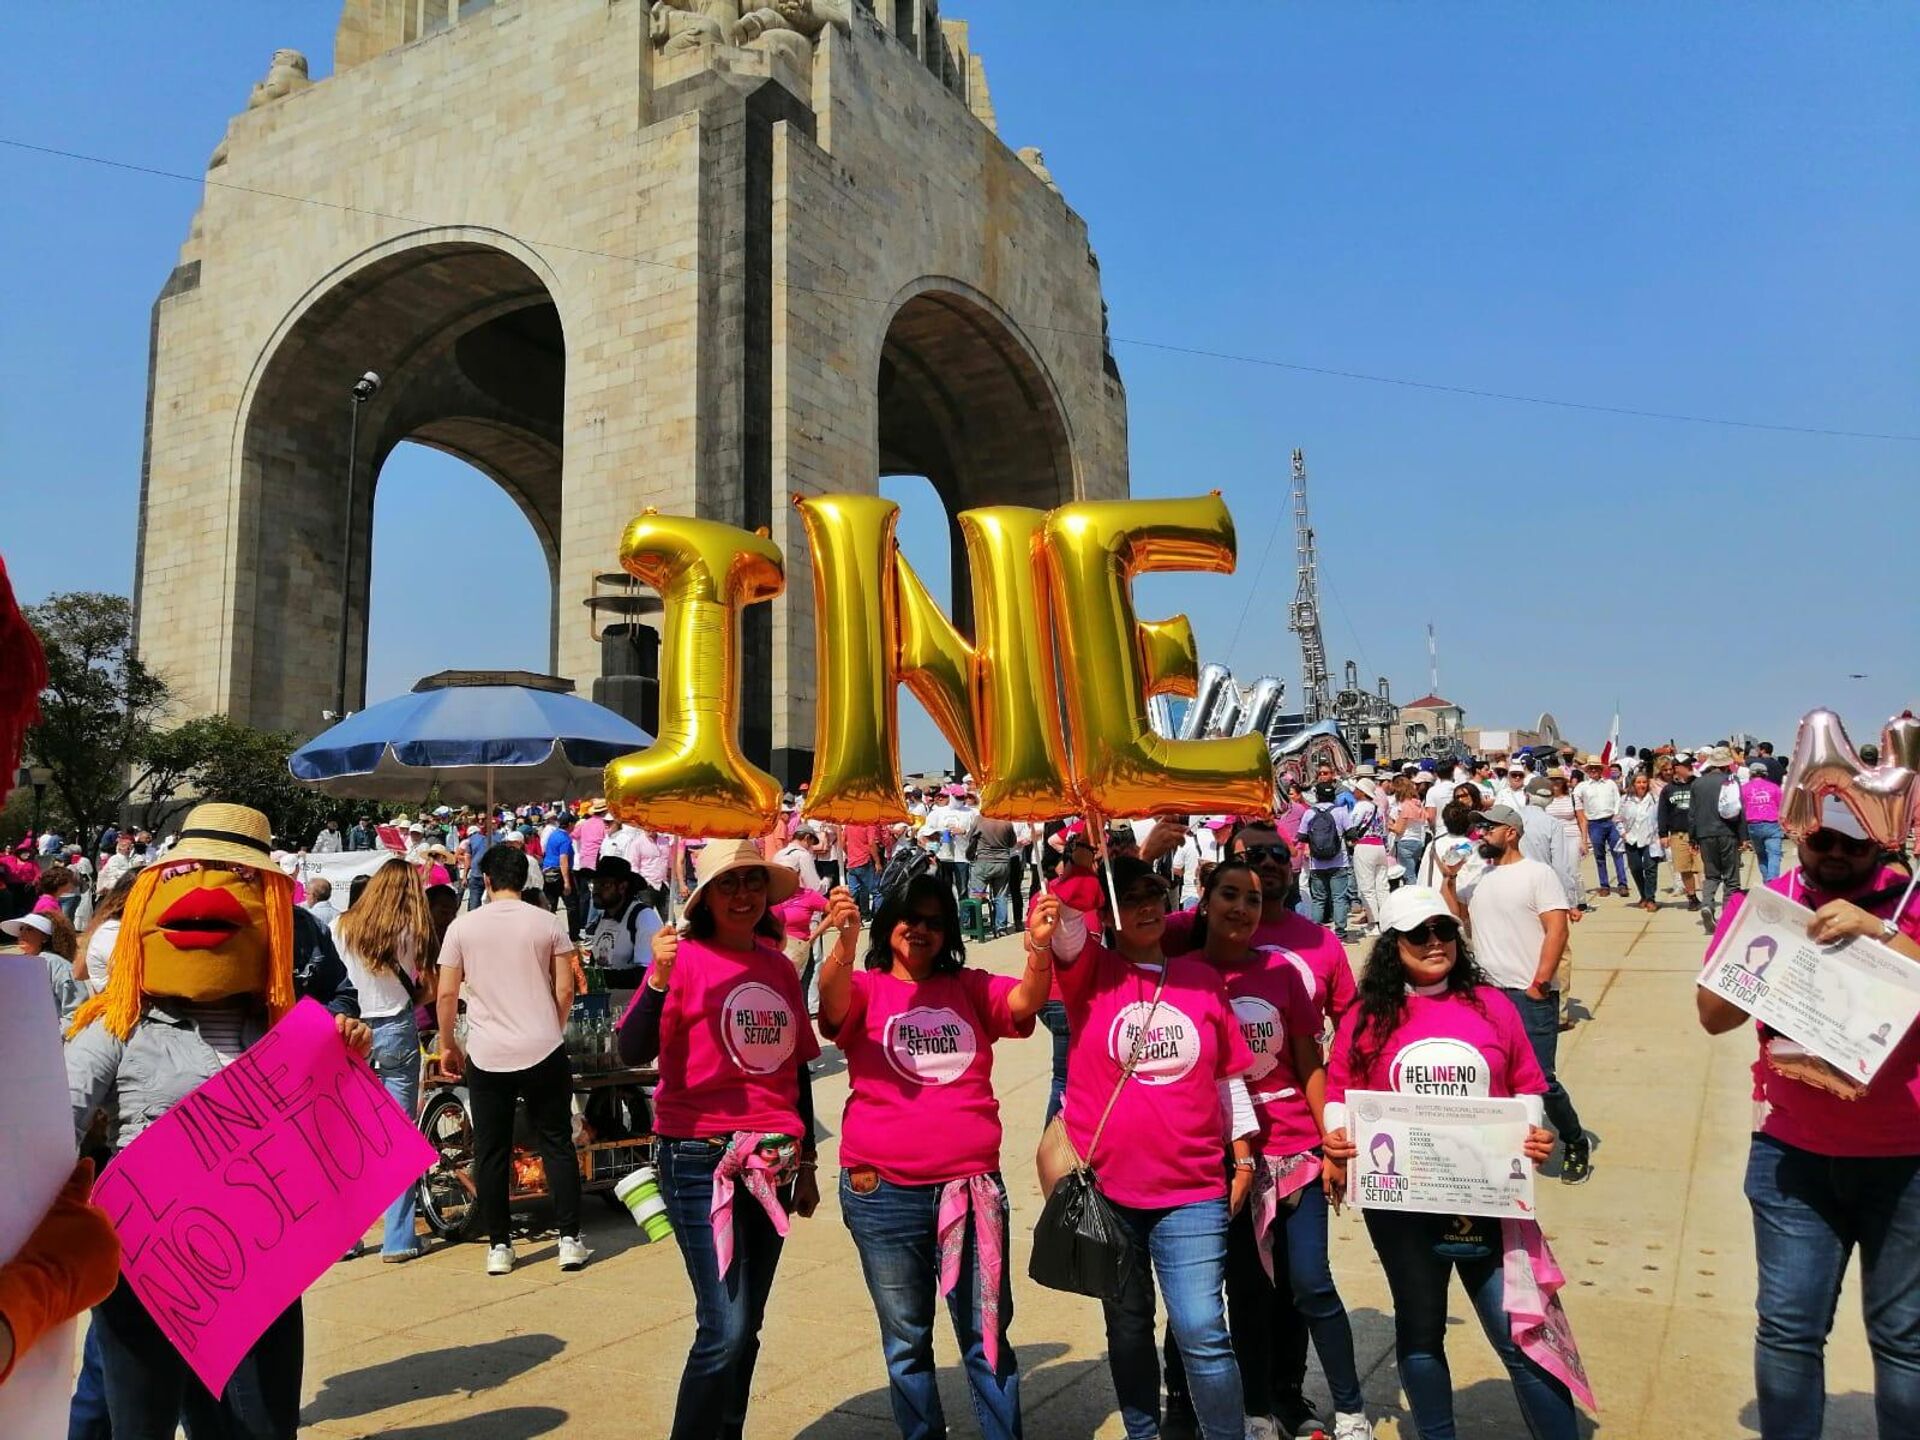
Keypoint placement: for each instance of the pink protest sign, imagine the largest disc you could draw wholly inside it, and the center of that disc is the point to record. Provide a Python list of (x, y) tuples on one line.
[(235, 1201)]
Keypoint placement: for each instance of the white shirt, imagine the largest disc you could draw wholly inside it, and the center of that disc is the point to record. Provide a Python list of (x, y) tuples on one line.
[(100, 954), (1640, 819), (1507, 906), (382, 993), (1597, 799), (619, 942), (798, 857)]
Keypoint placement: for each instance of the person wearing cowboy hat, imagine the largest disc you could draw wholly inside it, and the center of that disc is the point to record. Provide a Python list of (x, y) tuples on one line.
[(203, 965), (722, 1014), (1717, 836)]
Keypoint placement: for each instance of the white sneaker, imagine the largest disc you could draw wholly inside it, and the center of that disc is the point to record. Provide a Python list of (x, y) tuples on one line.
[(499, 1259), (1261, 1427), (574, 1253), (1352, 1427)]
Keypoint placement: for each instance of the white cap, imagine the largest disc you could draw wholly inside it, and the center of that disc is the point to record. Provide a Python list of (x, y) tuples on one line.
[(1410, 905), (28, 922), (1837, 816)]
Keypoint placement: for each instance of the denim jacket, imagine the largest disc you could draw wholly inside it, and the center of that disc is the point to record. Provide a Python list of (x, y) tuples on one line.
[(139, 1079)]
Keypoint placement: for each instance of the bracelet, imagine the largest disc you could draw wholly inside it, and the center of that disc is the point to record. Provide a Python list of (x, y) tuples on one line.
[(1246, 1164), (809, 1165)]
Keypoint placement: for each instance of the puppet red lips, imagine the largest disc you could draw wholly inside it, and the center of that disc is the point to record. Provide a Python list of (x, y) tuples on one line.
[(202, 919)]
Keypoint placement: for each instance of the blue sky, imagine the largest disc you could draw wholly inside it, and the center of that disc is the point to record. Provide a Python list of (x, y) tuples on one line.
[(1701, 209)]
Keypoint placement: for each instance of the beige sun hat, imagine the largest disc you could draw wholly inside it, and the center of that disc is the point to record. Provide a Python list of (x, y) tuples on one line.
[(230, 834), (720, 856)]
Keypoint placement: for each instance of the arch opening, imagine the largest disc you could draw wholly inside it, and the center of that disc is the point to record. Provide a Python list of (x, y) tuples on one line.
[(459, 577), (471, 352)]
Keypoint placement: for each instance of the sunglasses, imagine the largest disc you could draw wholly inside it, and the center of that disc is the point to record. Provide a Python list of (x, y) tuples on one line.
[(1257, 853), (925, 920), (1143, 895), (1447, 931), (1823, 840)]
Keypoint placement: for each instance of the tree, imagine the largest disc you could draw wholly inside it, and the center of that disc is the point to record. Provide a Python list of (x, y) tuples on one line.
[(99, 711), (243, 766)]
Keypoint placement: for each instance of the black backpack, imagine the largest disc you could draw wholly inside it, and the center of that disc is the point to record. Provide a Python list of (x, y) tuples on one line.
[(907, 862), (1323, 835)]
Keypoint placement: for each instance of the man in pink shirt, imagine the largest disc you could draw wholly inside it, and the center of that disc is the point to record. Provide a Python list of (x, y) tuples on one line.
[(509, 961), (589, 838)]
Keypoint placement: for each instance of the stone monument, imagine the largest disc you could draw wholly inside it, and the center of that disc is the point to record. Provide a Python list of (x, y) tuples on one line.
[(701, 256)]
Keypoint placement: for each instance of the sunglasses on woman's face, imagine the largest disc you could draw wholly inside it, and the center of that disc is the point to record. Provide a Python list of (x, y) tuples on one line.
[(1447, 931), (1823, 840), (925, 920)]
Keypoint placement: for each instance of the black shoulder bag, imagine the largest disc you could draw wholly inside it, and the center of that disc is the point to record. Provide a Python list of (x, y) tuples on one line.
[(1080, 1243)]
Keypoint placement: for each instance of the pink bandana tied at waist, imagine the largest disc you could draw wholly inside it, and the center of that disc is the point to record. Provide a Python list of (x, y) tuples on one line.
[(761, 1163), (1274, 1179), (1538, 1319), (978, 1194)]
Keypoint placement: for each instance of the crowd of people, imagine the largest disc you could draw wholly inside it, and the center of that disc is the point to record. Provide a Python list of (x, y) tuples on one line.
[(1207, 1025)]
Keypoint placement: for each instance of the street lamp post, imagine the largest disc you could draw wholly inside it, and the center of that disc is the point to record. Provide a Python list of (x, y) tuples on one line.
[(364, 389)]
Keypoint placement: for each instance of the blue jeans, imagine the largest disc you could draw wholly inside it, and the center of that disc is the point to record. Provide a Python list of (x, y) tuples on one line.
[(727, 1312), (1418, 1280), (1187, 1247), (863, 882), (396, 1060), (1263, 1312), (1542, 1021), (150, 1391), (87, 1418), (1604, 837), (893, 1228), (1645, 866), (1331, 892), (1766, 837), (1408, 853), (1053, 1015), (1809, 1212)]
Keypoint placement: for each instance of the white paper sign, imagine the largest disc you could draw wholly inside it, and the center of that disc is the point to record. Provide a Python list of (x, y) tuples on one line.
[(36, 1157), (1851, 1004), (1439, 1155)]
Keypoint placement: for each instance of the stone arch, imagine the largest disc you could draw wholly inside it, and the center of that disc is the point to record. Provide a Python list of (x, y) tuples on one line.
[(965, 400), (465, 329)]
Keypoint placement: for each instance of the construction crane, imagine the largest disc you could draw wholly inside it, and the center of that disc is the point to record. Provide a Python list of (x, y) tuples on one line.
[(1303, 617)]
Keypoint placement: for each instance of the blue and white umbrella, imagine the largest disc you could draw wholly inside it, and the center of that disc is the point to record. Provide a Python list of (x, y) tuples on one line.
[(475, 744)]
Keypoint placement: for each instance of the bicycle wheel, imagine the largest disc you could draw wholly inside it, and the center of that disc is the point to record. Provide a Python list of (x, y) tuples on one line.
[(446, 1192)]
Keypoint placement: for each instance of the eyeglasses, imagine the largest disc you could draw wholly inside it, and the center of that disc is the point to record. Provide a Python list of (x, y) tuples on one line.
[(1257, 853), (1445, 930), (925, 920), (1822, 840)]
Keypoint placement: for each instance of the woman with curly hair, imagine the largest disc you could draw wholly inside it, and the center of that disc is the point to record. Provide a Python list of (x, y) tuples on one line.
[(1430, 1022)]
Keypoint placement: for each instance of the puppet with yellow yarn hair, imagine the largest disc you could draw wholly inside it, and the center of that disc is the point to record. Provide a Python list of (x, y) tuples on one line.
[(203, 966)]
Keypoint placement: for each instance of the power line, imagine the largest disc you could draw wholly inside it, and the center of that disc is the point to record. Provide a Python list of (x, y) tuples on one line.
[(1197, 352)]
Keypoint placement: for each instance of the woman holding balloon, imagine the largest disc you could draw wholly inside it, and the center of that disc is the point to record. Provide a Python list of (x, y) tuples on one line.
[(1153, 1039), (722, 1011), (920, 1185)]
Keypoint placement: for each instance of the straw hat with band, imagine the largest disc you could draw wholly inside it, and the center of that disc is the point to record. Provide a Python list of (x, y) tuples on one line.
[(228, 834), (721, 856)]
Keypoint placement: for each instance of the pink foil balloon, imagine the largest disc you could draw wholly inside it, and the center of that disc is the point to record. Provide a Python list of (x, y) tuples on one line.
[(1884, 798)]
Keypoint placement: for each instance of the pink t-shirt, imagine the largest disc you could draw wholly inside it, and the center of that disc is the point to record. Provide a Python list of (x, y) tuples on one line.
[(1164, 1143), (1270, 1001), (797, 912), (1884, 1121), (1760, 800), (589, 835), (920, 1058), (504, 954), (1309, 947), (1443, 1045), (733, 1028), (46, 905)]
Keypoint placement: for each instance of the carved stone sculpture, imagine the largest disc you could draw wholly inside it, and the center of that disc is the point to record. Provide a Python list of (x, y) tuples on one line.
[(286, 74), (678, 26), (1031, 157)]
